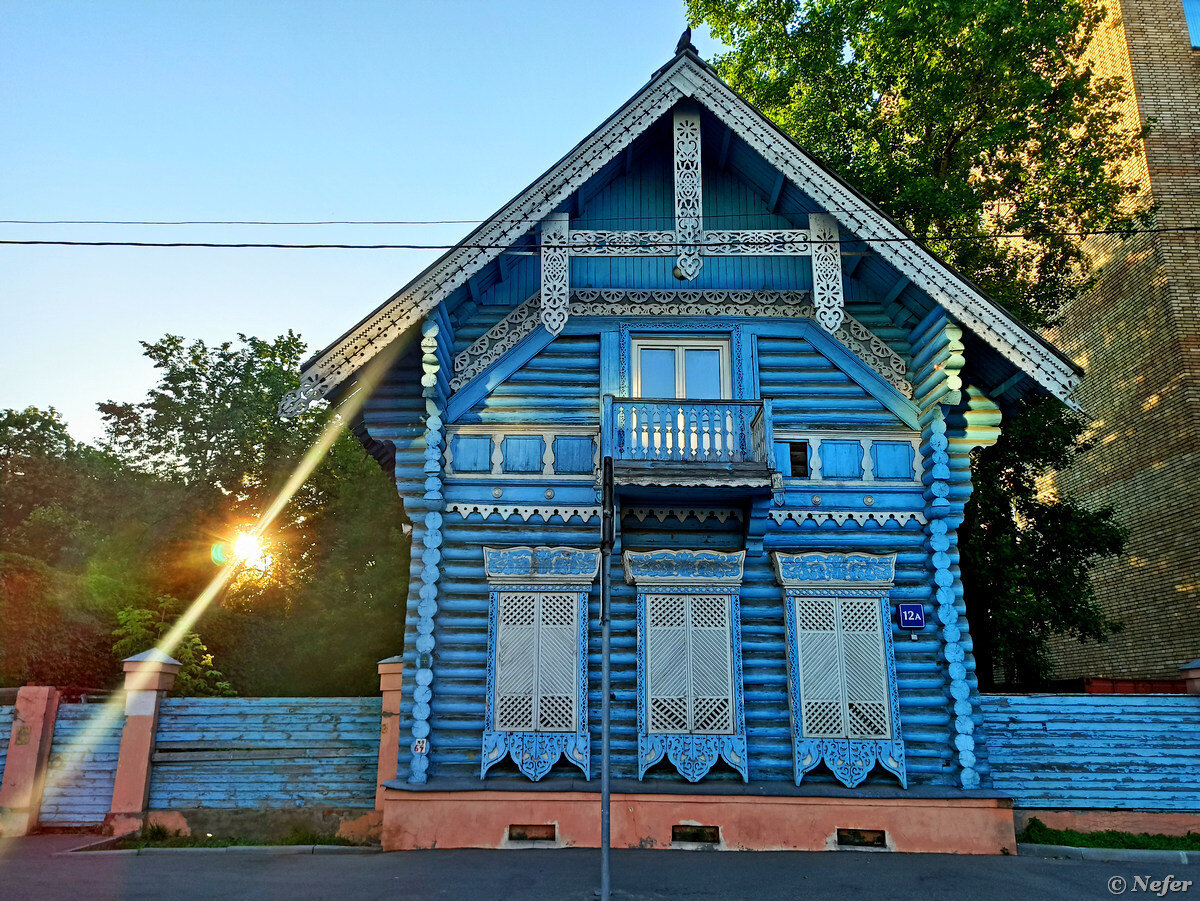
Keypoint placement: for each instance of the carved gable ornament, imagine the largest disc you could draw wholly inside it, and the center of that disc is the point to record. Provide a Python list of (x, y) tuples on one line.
[(686, 78)]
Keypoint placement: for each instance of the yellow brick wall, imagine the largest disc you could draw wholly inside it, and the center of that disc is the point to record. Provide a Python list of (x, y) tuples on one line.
[(1137, 334)]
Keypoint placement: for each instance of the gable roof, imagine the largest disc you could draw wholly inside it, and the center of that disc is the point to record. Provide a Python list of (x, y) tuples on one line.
[(686, 76)]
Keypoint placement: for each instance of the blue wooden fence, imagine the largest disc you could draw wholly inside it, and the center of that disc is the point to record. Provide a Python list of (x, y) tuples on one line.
[(1096, 751), (83, 765), (6, 718), (265, 752)]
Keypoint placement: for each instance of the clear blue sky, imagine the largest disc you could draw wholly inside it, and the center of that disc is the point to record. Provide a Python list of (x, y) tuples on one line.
[(269, 110)]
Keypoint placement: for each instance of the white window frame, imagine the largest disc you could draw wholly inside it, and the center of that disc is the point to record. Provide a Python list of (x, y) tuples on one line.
[(679, 344)]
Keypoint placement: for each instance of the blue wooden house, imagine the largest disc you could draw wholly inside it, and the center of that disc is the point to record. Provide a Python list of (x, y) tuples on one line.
[(788, 387)]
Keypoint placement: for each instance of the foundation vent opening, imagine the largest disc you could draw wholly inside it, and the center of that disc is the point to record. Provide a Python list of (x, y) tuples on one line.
[(861, 838), (536, 832), (701, 835)]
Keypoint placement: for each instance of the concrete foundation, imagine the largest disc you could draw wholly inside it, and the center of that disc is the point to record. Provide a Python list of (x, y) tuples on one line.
[(481, 819)]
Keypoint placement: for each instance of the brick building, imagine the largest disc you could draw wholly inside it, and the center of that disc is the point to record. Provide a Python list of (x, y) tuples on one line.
[(1137, 333)]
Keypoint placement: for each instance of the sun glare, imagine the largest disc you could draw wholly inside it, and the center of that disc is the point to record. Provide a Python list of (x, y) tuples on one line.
[(250, 550)]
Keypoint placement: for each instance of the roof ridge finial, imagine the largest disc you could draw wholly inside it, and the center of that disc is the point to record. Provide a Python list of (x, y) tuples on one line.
[(685, 42)]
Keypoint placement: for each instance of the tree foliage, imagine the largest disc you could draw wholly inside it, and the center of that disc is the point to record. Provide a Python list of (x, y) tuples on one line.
[(979, 126), (118, 539)]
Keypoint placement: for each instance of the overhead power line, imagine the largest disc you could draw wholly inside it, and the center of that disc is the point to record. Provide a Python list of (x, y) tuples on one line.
[(537, 248)]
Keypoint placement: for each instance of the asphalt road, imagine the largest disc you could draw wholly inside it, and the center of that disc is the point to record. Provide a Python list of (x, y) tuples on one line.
[(38, 869)]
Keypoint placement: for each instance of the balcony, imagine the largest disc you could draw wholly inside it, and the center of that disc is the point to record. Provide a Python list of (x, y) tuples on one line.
[(717, 443)]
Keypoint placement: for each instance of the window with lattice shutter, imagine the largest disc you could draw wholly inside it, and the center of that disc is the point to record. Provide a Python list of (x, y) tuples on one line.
[(536, 653), (864, 664), (689, 664), (843, 678)]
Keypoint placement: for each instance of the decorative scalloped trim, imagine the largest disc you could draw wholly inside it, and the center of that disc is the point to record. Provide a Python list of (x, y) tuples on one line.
[(508, 511), (535, 753), (495, 342), (861, 517), (681, 513)]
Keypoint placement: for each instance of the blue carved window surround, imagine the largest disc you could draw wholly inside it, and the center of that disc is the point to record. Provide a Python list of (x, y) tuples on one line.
[(699, 719), (540, 584), (844, 703)]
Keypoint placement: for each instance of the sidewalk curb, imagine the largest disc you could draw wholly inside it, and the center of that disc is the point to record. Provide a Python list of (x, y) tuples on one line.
[(1123, 855), (240, 849)]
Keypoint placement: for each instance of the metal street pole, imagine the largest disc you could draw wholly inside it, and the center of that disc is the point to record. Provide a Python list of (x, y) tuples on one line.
[(607, 534)]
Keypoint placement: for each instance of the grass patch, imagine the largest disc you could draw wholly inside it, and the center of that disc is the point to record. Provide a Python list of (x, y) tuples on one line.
[(155, 836), (1038, 833)]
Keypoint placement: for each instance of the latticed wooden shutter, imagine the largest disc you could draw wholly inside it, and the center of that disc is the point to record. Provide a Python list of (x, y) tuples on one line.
[(865, 668), (712, 666), (667, 662), (516, 662), (537, 679), (689, 664), (843, 668), (558, 646), (820, 678)]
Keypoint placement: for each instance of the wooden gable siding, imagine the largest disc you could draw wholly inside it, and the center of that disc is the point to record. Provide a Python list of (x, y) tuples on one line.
[(265, 752), (81, 772), (807, 390), (562, 383)]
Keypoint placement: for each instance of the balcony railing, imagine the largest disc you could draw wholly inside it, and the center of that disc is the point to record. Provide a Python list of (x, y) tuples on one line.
[(729, 435)]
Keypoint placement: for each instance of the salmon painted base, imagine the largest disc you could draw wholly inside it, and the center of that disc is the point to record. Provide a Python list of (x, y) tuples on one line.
[(470, 819)]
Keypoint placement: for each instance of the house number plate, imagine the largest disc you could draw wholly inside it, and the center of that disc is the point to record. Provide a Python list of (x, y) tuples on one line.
[(911, 616)]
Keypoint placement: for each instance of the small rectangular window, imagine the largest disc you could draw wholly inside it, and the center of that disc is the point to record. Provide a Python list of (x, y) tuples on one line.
[(681, 368), (798, 457)]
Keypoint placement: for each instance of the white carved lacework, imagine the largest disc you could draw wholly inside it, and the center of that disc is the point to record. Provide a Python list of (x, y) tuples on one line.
[(556, 273), (688, 193), (827, 271), (763, 242), (841, 517), (621, 243), (502, 230), (522, 321), (495, 342), (682, 513), (525, 513), (873, 351), (912, 261), (685, 77)]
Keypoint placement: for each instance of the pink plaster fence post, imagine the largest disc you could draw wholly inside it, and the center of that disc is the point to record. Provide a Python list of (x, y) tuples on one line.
[(1191, 672), (148, 676), (391, 672), (28, 756)]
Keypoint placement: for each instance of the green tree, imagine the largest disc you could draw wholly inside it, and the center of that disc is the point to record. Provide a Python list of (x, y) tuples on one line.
[(141, 628), (337, 583), (969, 123)]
